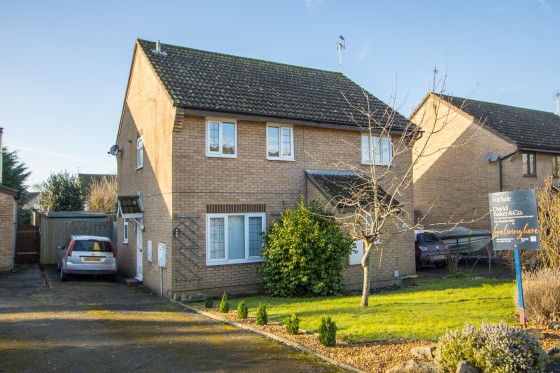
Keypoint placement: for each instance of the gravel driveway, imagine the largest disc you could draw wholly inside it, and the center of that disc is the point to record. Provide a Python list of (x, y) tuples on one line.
[(90, 324)]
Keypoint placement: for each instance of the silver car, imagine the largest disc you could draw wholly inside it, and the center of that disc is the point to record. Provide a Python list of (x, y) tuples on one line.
[(87, 255)]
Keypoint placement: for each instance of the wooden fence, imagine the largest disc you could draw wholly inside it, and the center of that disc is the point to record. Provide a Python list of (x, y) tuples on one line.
[(55, 232)]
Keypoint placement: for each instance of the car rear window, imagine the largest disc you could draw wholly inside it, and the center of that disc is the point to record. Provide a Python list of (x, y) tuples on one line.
[(427, 237), (92, 246)]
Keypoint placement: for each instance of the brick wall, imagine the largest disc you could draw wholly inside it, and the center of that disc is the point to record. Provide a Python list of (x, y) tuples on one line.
[(149, 113), (452, 180), (7, 206)]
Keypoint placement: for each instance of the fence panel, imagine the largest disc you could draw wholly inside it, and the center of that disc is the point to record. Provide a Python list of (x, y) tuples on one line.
[(55, 232)]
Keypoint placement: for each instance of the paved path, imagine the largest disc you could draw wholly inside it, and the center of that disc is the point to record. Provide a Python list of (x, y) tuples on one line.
[(93, 325)]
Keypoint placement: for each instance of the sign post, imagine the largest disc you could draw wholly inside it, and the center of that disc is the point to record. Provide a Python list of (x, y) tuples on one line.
[(515, 226)]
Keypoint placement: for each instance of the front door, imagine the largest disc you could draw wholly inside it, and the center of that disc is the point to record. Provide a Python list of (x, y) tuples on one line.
[(139, 257)]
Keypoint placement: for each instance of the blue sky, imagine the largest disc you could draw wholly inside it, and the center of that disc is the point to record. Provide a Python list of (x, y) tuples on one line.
[(64, 64)]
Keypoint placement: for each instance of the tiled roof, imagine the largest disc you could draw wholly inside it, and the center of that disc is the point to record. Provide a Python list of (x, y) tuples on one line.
[(9, 191), (525, 127), (209, 81), (130, 204), (341, 186)]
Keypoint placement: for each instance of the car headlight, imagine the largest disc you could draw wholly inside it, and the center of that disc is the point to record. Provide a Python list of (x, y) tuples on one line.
[(423, 248)]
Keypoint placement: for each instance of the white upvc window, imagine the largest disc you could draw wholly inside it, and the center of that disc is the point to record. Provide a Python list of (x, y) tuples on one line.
[(125, 230), (377, 150), (139, 152), (279, 142), (221, 138), (234, 238)]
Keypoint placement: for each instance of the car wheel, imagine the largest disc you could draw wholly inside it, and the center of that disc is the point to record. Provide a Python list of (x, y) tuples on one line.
[(418, 265), (441, 265), (63, 276), (112, 278)]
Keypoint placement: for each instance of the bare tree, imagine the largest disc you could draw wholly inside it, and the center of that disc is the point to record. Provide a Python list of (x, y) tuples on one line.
[(102, 194), (368, 201)]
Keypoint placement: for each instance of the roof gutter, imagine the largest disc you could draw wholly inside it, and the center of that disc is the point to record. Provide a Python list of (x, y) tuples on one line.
[(500, 159)]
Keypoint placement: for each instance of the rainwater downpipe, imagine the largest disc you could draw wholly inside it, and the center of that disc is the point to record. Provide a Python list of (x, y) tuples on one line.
[(500, 159), (16, 211)]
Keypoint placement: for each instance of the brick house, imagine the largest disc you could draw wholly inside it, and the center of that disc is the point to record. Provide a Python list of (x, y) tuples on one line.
[(209, 148), (8, 224), (505, 148)]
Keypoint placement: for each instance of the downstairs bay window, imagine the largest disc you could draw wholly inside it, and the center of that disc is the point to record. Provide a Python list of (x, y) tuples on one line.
[(234, 238)]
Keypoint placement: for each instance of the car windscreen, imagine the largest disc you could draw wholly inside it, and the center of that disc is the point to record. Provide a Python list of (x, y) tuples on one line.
[(92, 246), (427, 237)]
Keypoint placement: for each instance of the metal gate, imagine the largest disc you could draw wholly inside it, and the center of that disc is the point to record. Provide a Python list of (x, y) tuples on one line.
[(27, 244)]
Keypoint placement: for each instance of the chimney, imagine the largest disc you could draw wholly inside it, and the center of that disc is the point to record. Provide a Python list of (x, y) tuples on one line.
[(1, 160)]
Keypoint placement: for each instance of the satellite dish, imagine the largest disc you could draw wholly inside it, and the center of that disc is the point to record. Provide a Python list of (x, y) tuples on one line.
[(491, 157), (114, 150)]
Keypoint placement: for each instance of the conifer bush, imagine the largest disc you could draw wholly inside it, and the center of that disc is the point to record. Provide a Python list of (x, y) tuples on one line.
[(242, 310), (224, 304), (261, 317), (327, 332), (292, 324), (208, 302)]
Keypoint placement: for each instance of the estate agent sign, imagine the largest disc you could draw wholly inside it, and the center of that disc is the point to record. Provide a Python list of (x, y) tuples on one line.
[(514, 220), (515, 226)]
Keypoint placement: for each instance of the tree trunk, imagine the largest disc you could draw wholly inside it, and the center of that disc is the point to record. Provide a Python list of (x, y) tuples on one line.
[(365, 266)]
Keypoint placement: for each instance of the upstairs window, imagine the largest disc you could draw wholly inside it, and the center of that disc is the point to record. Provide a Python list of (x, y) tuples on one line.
[(556, 165), (377, 150), (529, 164), (279, 143), (221, 139), (139, 153)]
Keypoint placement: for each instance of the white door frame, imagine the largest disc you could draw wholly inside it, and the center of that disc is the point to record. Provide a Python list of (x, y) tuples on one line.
[(139, 251)]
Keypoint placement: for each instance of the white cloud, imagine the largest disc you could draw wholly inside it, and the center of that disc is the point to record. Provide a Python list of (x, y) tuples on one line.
[(313, 4), (50, 154), (364, 52)]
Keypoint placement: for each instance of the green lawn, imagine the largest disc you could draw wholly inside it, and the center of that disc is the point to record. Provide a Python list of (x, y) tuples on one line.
[(422, 312)]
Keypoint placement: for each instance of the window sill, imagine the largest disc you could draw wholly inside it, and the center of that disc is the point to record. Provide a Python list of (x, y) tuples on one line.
[(232, 262), (220, 155), (530, 175), (373, 164), (139, 168), (281, 159)]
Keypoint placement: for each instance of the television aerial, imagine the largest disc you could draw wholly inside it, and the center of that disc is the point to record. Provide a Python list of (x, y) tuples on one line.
[(340, 45)]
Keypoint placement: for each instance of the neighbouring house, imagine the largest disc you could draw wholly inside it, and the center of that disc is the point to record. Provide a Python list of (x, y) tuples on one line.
[(211, 146), (8, 226), (484, 148)]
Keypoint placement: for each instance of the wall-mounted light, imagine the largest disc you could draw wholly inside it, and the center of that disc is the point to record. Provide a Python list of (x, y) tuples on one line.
[(176, 232)]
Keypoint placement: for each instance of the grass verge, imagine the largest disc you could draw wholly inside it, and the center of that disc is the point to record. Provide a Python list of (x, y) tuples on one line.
[(419, 313)]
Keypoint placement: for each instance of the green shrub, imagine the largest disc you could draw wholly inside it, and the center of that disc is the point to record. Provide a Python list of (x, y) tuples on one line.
[(540, 291), (304, 253), (261, 318), (224, 304), (495, 348), (327, 332), (292, 324), (208, 302), (242, 310)]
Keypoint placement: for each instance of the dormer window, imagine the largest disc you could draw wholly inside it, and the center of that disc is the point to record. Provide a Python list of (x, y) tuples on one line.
[(221, 139)]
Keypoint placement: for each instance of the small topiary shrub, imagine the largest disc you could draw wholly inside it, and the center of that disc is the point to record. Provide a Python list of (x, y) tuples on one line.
[(224, 304), (327, 332), (208, 302), (541, 289), (292, 324), (242, 310), (261, 318), (304, 253), (492, 348)]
